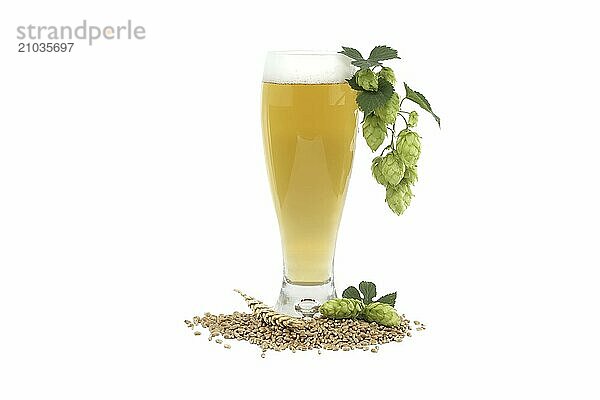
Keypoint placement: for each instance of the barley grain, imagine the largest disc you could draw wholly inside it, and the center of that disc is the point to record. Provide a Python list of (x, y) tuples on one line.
[(271, 331)]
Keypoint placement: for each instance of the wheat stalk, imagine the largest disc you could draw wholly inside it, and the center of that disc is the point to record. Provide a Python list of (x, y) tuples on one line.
[(270, 316)]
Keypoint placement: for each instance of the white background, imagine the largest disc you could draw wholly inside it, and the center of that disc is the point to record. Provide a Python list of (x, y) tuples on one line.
[(133, 195)]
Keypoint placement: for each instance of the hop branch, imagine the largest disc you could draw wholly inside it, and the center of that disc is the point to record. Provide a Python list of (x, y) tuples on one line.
[(396, 167)]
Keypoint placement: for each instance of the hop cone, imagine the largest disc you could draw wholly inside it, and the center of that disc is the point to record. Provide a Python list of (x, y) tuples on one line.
[(341, 308), (376, 170), (366, 79), (374, 131), (389, 111), (392, 169), (398, 197), (409, 147), (410, 175), (381, 313), (413, 118), (388, 74)]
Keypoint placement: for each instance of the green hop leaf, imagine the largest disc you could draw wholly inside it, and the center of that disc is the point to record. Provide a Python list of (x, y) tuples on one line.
[(369, 290), (341, 308), (365, 64), (381, 313), (398, 197), (389, 111), (410, 175), (376, 170), (366, 79), (389, 298), (388, 74), (392, 169), (368, 101), (374, 131), (408, 147), (352, 53), (413, 118), (353, 84), (381, 53), (419, 99), (351, 293)]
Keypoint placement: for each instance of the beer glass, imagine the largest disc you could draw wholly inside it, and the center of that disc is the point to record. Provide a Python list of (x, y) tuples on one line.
[(309, 119)]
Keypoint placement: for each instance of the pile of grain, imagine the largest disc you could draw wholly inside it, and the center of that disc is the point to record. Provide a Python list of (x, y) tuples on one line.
[(315, 333)]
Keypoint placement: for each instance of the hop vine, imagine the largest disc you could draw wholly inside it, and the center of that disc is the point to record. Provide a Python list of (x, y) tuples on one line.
[(396, 167)]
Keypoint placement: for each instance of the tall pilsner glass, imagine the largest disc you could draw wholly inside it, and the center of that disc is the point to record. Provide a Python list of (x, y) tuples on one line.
[(309, 118)]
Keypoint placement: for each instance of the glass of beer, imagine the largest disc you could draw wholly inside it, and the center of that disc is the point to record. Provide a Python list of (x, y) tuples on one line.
[(309, 120)]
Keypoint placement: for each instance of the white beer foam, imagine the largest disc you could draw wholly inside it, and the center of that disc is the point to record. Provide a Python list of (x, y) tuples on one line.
[(307, 67)]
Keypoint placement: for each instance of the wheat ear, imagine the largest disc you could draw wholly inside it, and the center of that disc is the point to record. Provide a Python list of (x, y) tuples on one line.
[(270, 316)]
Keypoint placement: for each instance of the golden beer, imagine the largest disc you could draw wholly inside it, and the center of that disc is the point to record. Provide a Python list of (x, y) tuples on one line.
[(309, 135)]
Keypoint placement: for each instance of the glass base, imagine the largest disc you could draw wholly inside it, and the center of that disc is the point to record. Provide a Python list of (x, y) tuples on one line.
[(303, 300)]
